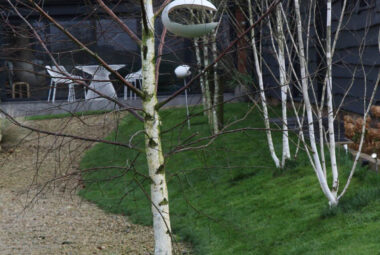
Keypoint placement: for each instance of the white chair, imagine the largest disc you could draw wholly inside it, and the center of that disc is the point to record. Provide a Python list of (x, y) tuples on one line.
[(136, 79), (61, 76)]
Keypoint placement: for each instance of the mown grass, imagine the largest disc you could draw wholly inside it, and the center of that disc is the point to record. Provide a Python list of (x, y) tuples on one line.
[(229, 199), (66, 115)]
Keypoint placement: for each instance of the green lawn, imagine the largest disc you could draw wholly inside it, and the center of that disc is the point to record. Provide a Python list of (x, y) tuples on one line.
[(66, 115), (229, 199)]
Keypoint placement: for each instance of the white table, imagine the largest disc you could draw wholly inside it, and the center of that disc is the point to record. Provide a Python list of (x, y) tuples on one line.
[(100, 80)]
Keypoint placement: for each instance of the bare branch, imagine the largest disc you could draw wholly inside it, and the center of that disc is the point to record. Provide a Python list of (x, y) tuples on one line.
[(225, 51), (119, 21), (85, 48)]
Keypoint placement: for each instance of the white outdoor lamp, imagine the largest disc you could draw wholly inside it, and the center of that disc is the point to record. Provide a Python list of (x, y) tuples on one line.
[(374, 156), (345, 146), (182, 72), (191, 30)]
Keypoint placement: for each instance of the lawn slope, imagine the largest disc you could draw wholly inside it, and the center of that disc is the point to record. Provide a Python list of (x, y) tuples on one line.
[(228, 198)]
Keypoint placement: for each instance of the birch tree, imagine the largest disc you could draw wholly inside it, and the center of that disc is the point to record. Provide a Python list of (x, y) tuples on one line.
[(262, 91), (278, 37), (217, 101), (314, 156), (212, 100), (206, 80), (330, 110), (205, 101), (305, 91), (153, 146), (217, 110), (283, 83)]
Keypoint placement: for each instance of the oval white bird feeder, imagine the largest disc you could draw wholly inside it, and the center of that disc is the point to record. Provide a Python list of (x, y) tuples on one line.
[(182, 71), (192, 30)]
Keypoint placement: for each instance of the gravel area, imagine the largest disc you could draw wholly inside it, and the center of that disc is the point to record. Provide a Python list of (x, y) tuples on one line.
[(42, 217)]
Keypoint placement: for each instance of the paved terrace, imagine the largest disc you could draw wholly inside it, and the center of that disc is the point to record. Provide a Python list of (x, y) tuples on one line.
[(31, 108)]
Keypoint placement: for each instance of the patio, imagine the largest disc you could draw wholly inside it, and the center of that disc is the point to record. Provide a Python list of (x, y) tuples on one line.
[(31, 108)]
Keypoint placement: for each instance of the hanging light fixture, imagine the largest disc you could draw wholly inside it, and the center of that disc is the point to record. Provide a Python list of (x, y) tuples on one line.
[(190, 30), (182, 72)]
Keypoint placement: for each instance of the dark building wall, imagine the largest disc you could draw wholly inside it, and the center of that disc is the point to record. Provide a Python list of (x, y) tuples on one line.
[(356, 60), (100, 34)]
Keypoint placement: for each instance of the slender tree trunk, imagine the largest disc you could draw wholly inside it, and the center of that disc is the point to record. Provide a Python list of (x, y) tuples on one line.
[(154, 154), (262, 93), (284, 85), (217, 109), (207, 81), (334, 167), (321, 132), (304, 80), (201, 78)]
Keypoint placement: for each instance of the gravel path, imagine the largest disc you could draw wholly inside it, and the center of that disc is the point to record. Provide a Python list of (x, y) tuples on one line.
[(40, 218)]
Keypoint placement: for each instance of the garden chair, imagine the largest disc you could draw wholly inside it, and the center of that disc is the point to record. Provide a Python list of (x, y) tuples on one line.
[(136, 79), (61, 76), (19, 88)]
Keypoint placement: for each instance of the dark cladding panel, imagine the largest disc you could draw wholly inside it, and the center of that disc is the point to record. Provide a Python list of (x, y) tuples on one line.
[(82, 30), (109, 34)]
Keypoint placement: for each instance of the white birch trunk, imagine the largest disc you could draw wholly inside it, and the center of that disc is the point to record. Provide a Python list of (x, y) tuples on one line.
[(206, 80), (284, 85), (216, 101), (334, 167), (321, 133), (304, 80), (262, 93), (201, 78), (154, 154)]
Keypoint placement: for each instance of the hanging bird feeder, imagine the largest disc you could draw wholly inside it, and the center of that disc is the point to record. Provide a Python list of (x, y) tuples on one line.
[(190, 30)]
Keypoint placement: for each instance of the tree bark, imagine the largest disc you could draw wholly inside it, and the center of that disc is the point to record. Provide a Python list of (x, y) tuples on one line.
[(217, 107), (304, 80), (262, 93), (284, 85), (201, 78), (330, 114), (207, 81), (153, 147)]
